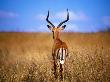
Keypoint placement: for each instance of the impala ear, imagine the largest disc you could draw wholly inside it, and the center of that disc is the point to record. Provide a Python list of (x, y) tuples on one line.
[(63, 27), (49, 27)]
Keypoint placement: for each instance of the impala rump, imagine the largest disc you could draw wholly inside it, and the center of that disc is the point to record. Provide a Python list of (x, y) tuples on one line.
[(60, 55)]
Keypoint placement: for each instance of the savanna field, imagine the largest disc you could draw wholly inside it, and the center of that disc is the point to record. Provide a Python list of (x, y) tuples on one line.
[(26, 57)]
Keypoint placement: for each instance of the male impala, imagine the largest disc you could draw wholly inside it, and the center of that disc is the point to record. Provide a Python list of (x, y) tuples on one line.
[(60, 49)]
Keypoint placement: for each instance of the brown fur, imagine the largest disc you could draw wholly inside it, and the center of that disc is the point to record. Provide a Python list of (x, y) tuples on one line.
[(59, 44)]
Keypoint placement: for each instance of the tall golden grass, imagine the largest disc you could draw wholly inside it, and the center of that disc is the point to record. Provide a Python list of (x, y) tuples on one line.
[(26, 57)]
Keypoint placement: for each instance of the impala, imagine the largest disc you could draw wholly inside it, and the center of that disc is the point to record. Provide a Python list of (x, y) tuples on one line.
[(60, 49)]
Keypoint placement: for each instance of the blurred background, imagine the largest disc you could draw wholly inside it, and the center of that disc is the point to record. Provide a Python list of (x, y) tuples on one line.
[(26, 44)]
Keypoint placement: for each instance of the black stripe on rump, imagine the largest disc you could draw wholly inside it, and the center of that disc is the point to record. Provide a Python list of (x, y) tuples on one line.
[(62, 54), (58, 57)]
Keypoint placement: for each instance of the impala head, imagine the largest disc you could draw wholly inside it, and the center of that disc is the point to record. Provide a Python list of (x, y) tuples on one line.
[(56, 29)]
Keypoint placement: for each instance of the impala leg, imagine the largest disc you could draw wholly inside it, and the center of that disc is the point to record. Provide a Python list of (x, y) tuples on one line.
[(61, 72), (55, 67)]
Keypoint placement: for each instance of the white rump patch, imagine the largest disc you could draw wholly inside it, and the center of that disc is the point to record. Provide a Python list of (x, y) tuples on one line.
[(62, 61)]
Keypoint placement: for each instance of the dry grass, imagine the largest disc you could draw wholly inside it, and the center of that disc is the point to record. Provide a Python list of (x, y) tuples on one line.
[(26, 57)]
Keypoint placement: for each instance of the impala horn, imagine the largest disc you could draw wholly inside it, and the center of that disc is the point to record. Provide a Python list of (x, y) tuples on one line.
[(49, 21), (64, 20)]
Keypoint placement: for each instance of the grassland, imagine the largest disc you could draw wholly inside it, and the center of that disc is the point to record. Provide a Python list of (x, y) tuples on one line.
[(26, 57)]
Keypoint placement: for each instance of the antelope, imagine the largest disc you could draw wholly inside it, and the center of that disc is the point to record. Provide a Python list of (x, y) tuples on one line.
[(60, 49)]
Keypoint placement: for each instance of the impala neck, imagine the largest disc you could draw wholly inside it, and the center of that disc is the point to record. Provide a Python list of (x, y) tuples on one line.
[(56, 35)]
